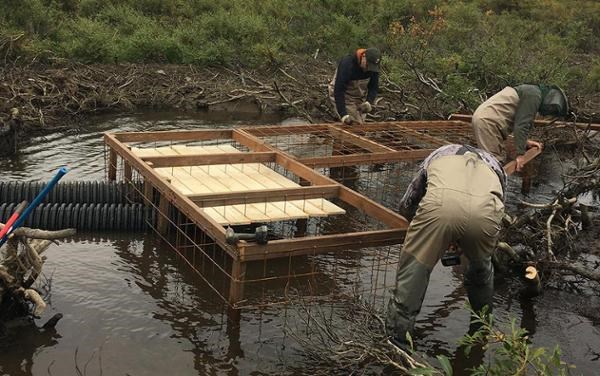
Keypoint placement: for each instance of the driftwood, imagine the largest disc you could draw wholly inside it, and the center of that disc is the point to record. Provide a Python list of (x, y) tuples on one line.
[(21, 263), (549, 235)]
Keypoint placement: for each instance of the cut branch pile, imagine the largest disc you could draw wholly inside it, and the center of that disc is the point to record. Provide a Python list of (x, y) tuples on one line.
[(549, 235), (21, 263), (353, 343)]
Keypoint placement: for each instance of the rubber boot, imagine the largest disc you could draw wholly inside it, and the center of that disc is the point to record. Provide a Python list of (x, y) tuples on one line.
[(412, 279), (479, 283)]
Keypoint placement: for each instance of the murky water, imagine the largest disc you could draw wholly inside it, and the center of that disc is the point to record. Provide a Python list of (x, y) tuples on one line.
[(131, 307)]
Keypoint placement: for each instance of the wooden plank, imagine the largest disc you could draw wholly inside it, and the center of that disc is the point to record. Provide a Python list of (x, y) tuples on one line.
[(195, 135), (266, 195), (278, 130), (314, 207), (276, 211), (433, 124), (363, 142), (299, 129), (217, 181), (357, 159), (112, 165), (320, 244), (185, 181), (530, 154), (271, 179), (461, 117), (209, 159)]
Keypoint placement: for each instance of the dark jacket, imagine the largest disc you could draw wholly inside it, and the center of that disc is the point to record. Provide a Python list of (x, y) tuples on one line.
[(547, 100), (350, 70)]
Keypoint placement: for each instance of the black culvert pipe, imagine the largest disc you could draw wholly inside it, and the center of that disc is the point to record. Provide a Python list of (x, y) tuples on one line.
[(76, 192), (85, 217)]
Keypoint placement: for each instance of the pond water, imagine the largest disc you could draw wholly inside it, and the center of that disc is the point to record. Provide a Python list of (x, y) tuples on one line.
[(132, 307)]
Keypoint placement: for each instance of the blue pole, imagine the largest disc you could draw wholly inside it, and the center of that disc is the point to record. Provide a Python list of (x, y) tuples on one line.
[(59, 174)]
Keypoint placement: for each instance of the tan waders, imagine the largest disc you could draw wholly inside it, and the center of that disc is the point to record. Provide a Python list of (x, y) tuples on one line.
[(493, 121), (459, 207), (354, 97)]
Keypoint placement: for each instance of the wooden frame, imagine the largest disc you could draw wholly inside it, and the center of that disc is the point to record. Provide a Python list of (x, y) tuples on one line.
[(314, 184), (320, 187)]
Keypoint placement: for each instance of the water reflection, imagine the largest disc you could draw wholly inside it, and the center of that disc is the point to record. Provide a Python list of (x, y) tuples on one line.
[(19, 343), (82, 150)]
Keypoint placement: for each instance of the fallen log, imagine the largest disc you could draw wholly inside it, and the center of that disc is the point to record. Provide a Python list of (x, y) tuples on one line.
[(21, 264), (576, 269)]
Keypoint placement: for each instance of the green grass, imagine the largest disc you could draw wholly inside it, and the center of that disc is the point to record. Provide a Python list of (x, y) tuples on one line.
[(468, 47)]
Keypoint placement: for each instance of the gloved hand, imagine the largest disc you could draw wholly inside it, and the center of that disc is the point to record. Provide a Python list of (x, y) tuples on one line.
[(347, 119), (365, 107)]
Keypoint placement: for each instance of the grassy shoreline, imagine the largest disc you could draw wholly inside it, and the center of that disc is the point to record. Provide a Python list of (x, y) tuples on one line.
[(439, 56)]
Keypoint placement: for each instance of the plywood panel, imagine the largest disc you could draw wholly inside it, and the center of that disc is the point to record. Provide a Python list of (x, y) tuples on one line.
[(236, 178)]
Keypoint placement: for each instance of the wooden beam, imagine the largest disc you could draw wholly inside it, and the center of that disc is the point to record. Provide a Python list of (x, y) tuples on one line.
[(277, 130), (266, 195), (320, 244), (112, 165), (530, 154), (197, 135), (209, 159), (357, 159), (162, 217), (540, 122), (127, 172), (363, 142), (376, 126), (236, 287), (461, 117)]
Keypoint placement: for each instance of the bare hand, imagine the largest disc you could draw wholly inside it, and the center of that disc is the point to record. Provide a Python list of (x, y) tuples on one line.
[(534, 144)]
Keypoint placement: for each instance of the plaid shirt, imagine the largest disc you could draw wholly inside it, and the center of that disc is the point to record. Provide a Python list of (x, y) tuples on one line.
[(418, 186)]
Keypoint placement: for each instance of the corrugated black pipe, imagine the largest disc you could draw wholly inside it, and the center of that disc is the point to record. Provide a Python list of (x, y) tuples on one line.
[(85, 217)]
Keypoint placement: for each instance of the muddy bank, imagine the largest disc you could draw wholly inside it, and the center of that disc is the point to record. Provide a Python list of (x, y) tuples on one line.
[(62, 95), (50, 97)]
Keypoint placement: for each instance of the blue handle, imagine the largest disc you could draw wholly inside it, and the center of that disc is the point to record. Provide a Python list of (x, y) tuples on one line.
[(59, 174)]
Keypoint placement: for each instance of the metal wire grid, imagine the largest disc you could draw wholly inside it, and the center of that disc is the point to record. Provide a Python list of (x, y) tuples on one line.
[(383, 183), (307, 141), (396, 138), (269, 281), (452, 132)]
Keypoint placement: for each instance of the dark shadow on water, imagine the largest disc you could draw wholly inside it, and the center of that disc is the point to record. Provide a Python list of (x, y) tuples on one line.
[(20, 340)]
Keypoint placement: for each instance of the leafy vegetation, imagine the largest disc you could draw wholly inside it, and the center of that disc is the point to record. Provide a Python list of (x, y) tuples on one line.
[(512, 352), (467, 48)]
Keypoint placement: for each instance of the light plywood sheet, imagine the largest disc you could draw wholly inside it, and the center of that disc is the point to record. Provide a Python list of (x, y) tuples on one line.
[(236, 178)]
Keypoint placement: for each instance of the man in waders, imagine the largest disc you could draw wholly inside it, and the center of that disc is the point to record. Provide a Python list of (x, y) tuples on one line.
[(457, 195), (513, 110), (356, 74)]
